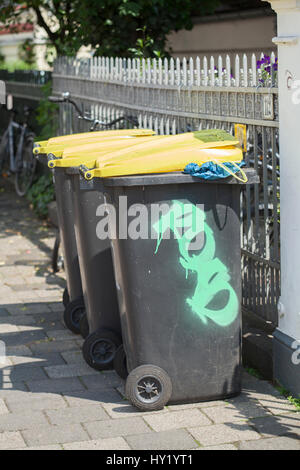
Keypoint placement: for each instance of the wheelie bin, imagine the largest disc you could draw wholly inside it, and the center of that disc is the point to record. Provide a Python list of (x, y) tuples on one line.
[(179, 287), (74, 313), (94, 254)]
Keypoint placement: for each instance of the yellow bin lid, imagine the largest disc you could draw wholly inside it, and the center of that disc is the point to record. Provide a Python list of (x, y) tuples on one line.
[(170, 154), (66, 141), (87, 154)]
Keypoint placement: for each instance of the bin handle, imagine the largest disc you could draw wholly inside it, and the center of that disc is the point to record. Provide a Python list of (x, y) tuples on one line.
[(244, 178)]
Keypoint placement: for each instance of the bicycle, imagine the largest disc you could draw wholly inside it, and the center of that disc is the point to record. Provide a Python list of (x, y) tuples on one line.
[(16, 148), (57, 260)]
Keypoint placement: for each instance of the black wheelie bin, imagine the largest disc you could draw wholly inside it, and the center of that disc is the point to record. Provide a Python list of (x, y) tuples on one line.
[(178, 272), (94, 253)]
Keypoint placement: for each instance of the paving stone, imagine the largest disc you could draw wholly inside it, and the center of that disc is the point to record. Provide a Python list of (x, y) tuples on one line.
[(11, 440), (220, 447), (177, 420), (23, 328), (7, 328), (37, 308), (47, 435), (123, 409), (69, 370), (54, 346), (19, 373), (20, 320), (20, 421), (73, 357), (116, 428), (235, 411), (200, 405), (223, 433), (3, 312), (49, 447), (276, 443), (88, 397), (18, 310), (100, 381), (9, 389), (42, 360), (166, 440), (56, 306), (21, 338), (116, 443), (36, 402), (74, 415), (53, 325), (55, 385), (257, 389), (288, 425), (277, 406), (44, 319), (3, 408), (20, 350), (60, 335)]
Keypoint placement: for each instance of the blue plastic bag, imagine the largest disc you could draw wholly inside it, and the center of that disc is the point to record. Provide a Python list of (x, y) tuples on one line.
[(211, 170)]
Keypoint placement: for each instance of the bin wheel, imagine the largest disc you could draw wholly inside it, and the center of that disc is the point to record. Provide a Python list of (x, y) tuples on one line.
[(99, 349), (148, 387), (73, 313), (66, 297), (84, 326), (120, 364)]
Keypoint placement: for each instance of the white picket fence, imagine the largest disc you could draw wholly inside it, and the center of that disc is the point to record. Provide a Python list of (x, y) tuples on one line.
[(172, 72)]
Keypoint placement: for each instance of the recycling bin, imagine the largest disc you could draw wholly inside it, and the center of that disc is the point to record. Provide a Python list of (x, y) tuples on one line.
[(100, 326), (58, 150), (73, 295), (97, 274), (177, 262), (180, 308)]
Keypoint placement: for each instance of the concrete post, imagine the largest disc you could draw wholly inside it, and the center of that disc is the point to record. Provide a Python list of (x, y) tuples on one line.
[(287, 335)]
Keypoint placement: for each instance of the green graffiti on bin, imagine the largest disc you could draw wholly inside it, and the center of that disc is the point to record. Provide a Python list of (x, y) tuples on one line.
[(187, 221)]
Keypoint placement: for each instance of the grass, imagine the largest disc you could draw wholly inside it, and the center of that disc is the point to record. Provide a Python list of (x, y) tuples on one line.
[(255, 373), (285, 393)]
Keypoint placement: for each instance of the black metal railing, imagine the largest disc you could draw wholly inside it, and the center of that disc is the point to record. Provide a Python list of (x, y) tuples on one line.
[(35, 77)]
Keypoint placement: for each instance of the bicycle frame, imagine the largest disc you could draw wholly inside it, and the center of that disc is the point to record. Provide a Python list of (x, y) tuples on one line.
[(14, 158)]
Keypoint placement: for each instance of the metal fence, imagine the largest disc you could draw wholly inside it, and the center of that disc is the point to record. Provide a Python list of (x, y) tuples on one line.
[(26, 86), (173, 96)]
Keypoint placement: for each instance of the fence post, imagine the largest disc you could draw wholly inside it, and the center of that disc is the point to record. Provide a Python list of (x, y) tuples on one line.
[(287, 335)]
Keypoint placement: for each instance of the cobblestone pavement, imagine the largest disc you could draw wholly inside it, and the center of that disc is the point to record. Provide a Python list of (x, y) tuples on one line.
[(49, 397)]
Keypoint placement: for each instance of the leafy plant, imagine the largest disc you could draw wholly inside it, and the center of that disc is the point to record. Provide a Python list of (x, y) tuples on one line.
[(41, 194), (144, 46), (11, 65), (254, 372), (26, 52), (111, 27), (47, 114), (284, 392)]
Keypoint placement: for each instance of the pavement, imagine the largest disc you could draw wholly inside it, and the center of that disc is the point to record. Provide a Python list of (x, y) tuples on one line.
[(50, 399)]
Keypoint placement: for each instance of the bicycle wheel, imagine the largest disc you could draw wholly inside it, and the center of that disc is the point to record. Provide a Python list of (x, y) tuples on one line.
[(26, 167)]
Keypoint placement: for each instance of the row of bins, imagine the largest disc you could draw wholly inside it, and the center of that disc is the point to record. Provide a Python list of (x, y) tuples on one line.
[(152, 259)]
